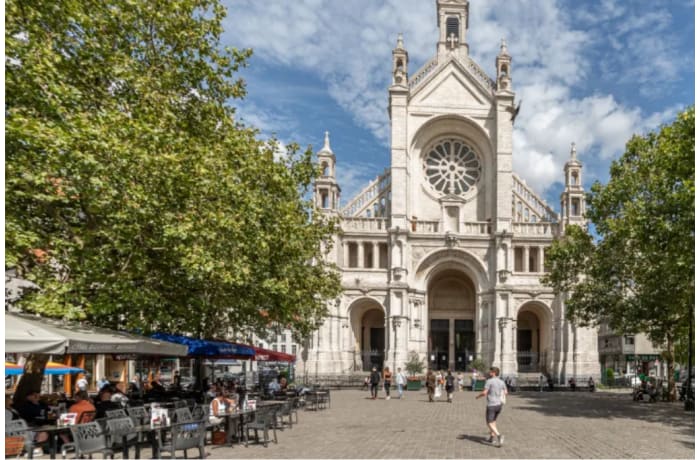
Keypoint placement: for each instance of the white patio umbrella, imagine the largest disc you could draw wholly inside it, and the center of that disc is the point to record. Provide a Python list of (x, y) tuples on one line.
[(32, 334)]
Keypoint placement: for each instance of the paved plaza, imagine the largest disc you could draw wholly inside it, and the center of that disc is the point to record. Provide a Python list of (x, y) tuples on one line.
[(535, 425)]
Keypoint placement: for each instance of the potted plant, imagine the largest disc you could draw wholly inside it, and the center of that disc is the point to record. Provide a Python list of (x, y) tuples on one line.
[(414, 365), (481, 367)]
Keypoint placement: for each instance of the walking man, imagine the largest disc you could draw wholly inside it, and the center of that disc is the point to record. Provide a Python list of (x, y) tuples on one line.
[(400, 382), (495, 391), (374, 379)]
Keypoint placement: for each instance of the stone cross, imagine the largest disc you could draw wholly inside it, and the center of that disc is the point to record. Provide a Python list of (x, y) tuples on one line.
[(452, 40)]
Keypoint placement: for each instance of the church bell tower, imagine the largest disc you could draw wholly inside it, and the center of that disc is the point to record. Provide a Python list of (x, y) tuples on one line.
[(573, 202), (453, 21), (326, 188)]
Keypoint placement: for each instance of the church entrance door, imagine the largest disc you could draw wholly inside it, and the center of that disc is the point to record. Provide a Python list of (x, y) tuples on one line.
[(451, 308)]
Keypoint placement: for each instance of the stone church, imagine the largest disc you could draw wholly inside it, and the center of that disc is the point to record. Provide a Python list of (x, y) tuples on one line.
[(442, 254)]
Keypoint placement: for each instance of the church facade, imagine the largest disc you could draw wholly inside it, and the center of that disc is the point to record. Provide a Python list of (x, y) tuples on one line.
[(443, 253)]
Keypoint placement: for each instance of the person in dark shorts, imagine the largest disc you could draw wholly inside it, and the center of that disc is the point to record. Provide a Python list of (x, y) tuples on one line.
[(495, 391), (449, 385)]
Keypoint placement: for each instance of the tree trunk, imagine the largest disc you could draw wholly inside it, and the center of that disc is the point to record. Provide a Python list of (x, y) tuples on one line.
[(670, 363), (31, 379)]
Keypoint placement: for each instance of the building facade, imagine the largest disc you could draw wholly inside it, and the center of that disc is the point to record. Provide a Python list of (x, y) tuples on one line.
[(442, 254)]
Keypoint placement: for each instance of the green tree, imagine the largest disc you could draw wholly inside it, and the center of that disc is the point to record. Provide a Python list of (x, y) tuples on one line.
[(638, 275), (134, 199)]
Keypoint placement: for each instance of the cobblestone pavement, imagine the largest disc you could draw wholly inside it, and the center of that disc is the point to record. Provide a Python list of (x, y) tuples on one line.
[(535, 425)]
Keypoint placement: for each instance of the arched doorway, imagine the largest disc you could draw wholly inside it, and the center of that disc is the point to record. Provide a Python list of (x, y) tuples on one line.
[(533, 338), (368, 325), (451, 311)]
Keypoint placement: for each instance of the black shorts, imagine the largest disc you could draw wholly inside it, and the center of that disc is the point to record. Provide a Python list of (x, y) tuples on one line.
[(492, 413)]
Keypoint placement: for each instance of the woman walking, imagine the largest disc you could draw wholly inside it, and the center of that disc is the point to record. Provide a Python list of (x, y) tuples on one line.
[(387, 382)]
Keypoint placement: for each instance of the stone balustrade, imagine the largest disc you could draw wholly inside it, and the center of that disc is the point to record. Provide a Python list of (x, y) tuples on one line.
[(536, 228), (364, 224)]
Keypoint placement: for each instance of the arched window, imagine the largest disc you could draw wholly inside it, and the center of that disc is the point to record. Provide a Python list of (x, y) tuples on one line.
[(452, 27), (324, 167)]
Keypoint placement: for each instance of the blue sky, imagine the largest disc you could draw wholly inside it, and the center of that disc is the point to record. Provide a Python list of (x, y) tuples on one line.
[(593, 72)]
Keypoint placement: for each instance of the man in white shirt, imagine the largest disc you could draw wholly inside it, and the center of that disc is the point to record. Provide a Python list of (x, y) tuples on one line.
[(495, 391)]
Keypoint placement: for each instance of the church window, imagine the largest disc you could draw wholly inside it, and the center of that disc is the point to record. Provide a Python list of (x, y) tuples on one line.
[(504, 71), (369, 256), (324, 166), (352, 255), (451, 166), (532, 262), (533, 218), (452, 27), (527, 214), (324, 199), (575, 207), (376, 209), (574, 178), (368, 213), (383, 255), (519, 255)]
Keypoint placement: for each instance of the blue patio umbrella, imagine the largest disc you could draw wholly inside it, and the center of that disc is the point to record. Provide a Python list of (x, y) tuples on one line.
[(52, 368)]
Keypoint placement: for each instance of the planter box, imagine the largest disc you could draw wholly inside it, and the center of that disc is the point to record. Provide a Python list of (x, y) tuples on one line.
[(414, 385), (479, 385)]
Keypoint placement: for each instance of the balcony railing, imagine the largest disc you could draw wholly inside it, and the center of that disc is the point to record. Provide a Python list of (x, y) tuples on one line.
[(466, 228), (536, 228), (364, 224)]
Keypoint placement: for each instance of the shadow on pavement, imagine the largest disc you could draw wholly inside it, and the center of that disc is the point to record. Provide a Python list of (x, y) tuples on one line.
[(472, 438), (607, 406)]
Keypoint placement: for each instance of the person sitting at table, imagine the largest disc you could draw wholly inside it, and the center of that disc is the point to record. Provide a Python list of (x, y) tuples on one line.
[(105, 403), (283, 383), (274, 387), (33, 411), (82, 405), (218, 406), (118, 395)]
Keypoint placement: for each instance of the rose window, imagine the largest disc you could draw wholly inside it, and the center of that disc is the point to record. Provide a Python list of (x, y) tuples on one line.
[(451, 166)]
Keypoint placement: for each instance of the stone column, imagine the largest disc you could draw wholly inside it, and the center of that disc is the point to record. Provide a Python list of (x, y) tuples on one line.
[(375, 255), (346, 254), (360, 254), (540, 259)]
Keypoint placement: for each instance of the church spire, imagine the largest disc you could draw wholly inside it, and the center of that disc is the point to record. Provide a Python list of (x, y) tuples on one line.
[(326, 189), (503, 61), (573, 199), (400, 58)]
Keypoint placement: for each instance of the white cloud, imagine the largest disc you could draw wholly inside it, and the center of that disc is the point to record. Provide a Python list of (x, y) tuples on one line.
[(348, 45)]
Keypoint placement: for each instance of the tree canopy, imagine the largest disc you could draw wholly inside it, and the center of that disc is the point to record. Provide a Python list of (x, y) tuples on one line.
[(134, 199), (638, 274)]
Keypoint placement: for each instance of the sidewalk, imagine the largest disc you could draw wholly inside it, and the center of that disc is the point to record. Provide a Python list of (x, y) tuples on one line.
[(535, 425)]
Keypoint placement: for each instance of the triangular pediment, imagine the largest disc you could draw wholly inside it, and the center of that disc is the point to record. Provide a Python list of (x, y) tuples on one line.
[(451, 85)]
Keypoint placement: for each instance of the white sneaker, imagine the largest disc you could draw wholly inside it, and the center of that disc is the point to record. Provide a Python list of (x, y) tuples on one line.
[(388, 398), (38, 452)]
